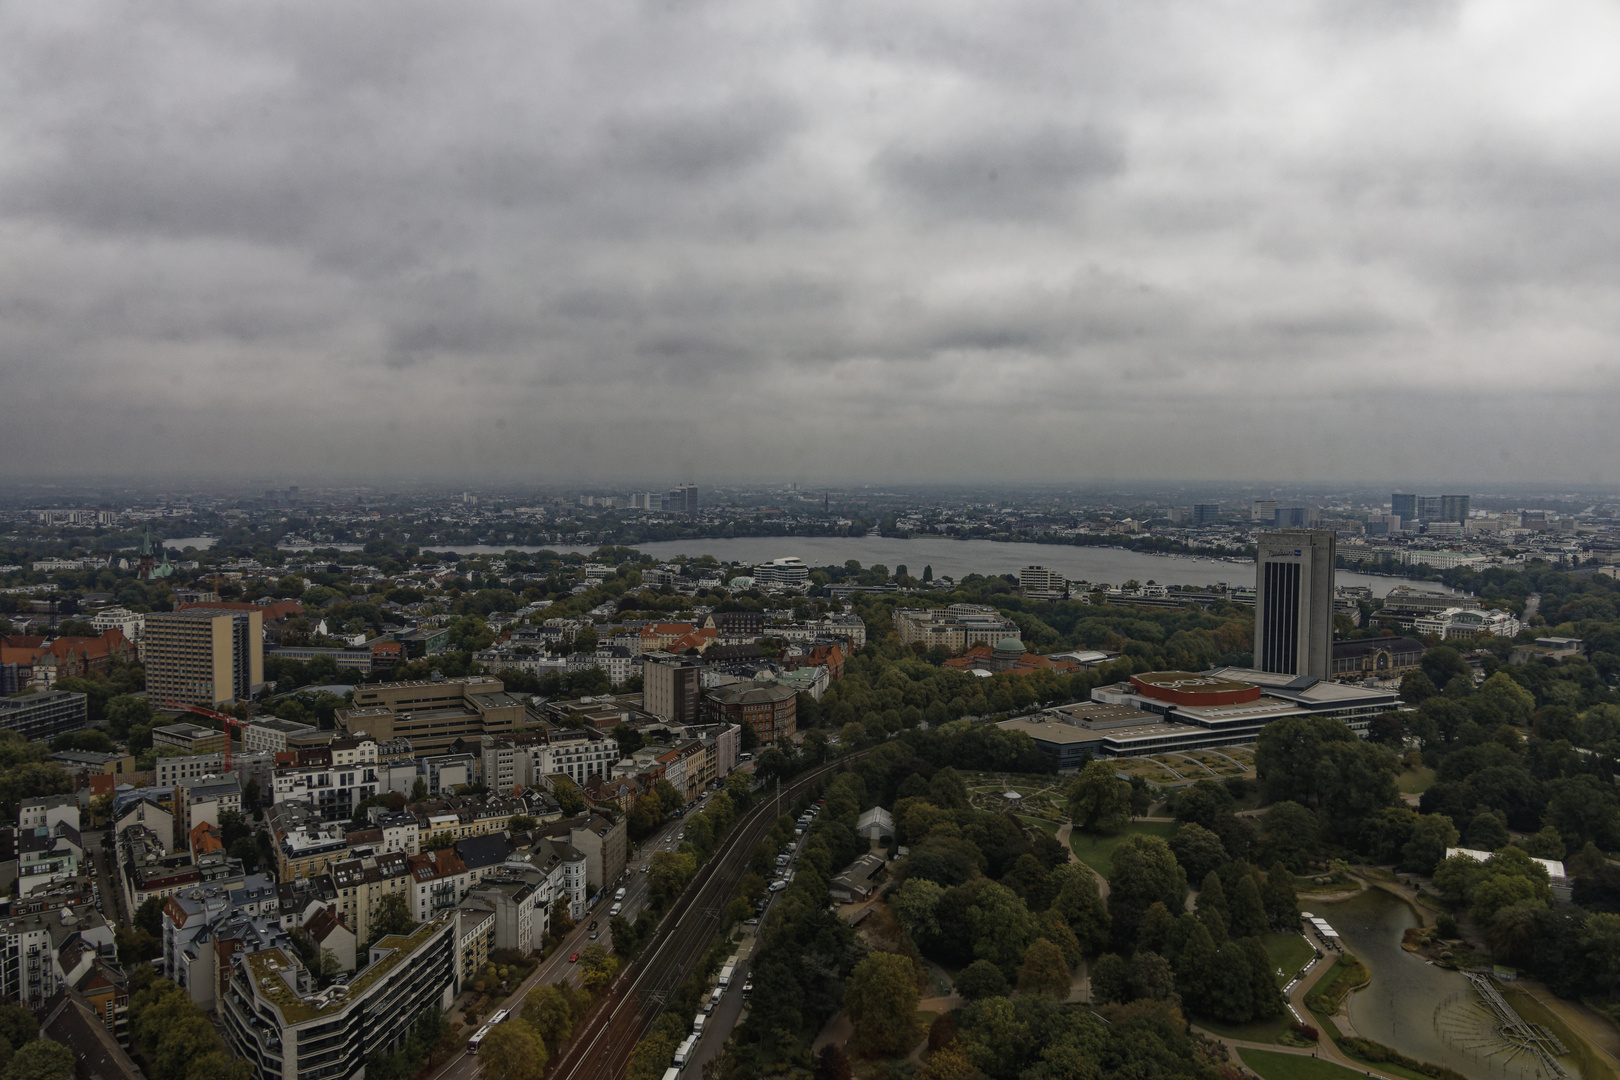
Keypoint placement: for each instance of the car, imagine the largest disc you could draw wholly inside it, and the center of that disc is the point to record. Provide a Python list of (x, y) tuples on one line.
[(643, 868), (574, 959), (592, 926), (595, 934), (748, 987), (751, 922)]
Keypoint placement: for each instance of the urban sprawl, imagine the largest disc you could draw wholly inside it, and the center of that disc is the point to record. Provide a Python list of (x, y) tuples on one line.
[(346, 782)]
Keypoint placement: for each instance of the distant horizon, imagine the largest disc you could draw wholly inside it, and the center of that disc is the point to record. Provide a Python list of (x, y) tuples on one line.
[(847, 488)]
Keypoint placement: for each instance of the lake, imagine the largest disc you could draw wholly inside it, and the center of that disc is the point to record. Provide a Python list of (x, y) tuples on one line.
[(949, 558), (1424, 1011)]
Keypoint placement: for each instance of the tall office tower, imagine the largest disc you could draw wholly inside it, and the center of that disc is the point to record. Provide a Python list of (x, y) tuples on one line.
[(1263, 510), (1293, 602), (1403, 506), (1205, 514), (682, 499), (1454, 508), (204, 656), (1430, 508)]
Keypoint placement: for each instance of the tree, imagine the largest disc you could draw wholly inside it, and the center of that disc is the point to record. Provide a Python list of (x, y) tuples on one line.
[(17, 1024), (1098, 801), (562, 920), (566, 792), (916, 905), (439, 841), (1278, 897), (949, 1062), (1052, 926), (1043, 970), (1292, 835), (1145, 871), (393, 917), (1487, 833), (667, 874), (41, 1059), (1501, 700), (981, 979), (552, 1011), (1431, 836), (597, 967), (419, 790), (1456, 876), (1245, 910), (1198, 850), (1110, 980), (149, 916), (1513, 930), (512, 1050), (1080, 903), (880, 999), (127, 711), (1198, 970), (1150, 976), (1354, 780), (1288, 754)]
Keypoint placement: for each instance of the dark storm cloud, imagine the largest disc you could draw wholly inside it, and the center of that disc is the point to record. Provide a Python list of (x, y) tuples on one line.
[(913, 240)]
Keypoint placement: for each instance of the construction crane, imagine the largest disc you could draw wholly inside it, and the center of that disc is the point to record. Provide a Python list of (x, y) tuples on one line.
[(226, 718)]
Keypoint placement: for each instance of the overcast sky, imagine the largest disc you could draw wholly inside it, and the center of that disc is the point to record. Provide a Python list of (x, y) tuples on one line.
[(1354, 240)]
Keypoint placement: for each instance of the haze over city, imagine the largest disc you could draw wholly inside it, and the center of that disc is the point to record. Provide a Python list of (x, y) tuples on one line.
[(1027, 242)]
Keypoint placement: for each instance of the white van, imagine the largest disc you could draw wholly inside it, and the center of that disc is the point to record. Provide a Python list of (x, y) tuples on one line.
[(697, 1024), (620, 894), (615, 909), (714, 999)]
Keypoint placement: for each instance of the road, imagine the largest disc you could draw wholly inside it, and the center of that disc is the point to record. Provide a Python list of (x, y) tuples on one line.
[(601, 1048), (556, 967)]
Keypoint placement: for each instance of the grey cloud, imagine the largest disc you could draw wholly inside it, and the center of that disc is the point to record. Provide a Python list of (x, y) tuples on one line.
[(1029, 175), (949, 233)]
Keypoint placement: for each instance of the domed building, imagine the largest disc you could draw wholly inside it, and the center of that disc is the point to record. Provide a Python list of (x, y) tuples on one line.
[(1008, 652)]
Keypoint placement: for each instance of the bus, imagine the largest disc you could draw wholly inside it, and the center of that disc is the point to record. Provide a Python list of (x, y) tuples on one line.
[(495, 1018)]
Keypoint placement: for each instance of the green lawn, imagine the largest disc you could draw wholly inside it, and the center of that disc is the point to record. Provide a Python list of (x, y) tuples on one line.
[(1097, 852), (1260, 1031), (1291, 952), (1039, 823), (1271, 1065), (1415, 781)]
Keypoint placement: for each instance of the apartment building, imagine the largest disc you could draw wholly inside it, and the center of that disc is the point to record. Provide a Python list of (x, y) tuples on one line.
[(332, 779), (203, 656), (306, 845), (360, 884), (770, 709), (273, 735), (204, 799), (956, 628), (275, 1020), (522, 760), (37, 952), (438, 881), (605, 844), (43, 716)]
